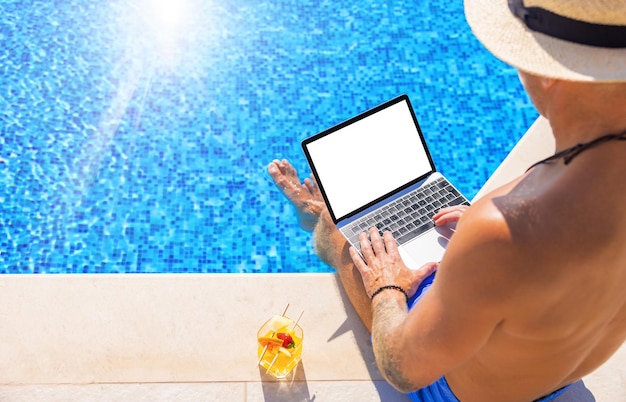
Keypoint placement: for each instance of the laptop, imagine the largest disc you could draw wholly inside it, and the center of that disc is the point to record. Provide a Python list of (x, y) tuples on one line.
[(375, 170)]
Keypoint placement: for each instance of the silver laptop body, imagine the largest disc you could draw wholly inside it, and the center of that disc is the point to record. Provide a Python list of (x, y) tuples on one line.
[(375, 170)]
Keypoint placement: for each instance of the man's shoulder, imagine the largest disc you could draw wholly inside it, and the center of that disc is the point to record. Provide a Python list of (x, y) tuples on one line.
[(485, 221), (513, 214), (492, 235)]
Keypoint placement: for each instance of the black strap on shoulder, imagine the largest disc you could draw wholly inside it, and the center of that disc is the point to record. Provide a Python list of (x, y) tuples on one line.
[(557, 26), (570, 153)]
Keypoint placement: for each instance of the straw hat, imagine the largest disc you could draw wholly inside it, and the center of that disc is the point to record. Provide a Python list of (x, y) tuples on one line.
[(578, 40)]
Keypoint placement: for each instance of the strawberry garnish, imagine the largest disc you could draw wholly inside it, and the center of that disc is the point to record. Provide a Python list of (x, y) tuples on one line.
[(287, 340)]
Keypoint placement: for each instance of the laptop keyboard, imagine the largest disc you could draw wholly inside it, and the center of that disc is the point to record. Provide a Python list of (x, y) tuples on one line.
[(408, 216)]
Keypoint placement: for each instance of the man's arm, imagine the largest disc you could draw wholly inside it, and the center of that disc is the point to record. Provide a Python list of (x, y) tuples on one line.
[(390, 311), (455, 318)]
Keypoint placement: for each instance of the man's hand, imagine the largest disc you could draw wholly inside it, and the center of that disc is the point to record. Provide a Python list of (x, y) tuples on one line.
[(449, 214), (384, 266)]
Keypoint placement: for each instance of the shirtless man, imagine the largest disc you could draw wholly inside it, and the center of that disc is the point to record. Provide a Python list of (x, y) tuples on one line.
[(529, 296)]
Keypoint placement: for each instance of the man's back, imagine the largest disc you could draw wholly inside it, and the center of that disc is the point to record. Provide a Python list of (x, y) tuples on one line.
[(557, 276)]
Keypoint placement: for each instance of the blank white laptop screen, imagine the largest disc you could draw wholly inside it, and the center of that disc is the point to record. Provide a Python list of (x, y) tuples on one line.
[(383, 151)]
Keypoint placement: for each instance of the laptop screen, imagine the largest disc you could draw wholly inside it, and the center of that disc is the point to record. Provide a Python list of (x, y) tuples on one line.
[(368, 157)]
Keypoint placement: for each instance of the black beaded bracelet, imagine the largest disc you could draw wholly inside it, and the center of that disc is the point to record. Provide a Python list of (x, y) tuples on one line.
[(395, 287)]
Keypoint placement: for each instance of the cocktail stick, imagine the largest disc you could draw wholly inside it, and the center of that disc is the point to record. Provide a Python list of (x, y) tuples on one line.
[(272, 363), (297, 321)]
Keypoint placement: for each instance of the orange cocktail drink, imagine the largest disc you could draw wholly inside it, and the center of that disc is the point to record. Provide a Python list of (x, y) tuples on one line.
[(279, 345)]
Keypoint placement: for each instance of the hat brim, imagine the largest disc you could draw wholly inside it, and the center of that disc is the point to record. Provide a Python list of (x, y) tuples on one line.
[(508, 38)]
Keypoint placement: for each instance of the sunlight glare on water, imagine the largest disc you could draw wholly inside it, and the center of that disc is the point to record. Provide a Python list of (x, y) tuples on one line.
[(162, 30)]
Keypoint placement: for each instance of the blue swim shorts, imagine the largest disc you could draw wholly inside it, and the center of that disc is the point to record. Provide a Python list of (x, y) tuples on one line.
[(440, 391), (553, 395), (421, 290)]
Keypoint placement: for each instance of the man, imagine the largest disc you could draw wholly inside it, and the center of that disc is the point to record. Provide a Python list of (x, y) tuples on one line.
[(529, 296)]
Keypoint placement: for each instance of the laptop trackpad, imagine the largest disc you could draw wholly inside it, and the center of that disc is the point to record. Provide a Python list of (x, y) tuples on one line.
[(427, 248)]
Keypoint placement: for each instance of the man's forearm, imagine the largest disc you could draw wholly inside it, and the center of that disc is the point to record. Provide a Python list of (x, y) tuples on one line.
[(390, 311)]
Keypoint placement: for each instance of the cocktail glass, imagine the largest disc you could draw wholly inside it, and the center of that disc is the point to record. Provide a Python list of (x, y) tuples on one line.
[(279, 345)]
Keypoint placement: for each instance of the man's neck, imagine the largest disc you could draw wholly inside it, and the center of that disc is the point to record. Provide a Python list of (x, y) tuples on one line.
[(581, 112)]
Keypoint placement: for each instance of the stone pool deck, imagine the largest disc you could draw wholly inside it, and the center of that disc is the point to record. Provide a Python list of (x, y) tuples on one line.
[(192, 337)]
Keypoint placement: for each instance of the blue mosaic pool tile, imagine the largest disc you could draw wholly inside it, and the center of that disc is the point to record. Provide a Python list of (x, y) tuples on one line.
[(128, 145)]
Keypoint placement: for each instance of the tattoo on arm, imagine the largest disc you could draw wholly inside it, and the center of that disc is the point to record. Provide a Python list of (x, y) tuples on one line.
[(389, 312)]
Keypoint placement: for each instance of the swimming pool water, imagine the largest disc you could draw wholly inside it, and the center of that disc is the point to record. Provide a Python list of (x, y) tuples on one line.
[(135, 134)]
